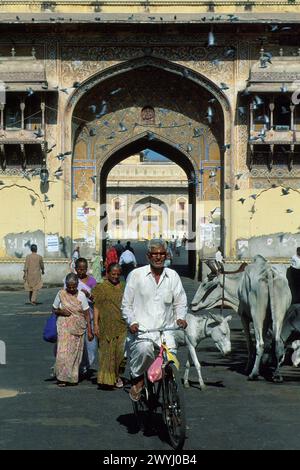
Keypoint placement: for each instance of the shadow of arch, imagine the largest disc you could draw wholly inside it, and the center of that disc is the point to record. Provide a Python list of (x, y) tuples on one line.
[(136, 145)]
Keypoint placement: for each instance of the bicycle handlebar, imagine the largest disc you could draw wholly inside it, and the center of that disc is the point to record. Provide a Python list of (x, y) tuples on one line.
[(160, 330)]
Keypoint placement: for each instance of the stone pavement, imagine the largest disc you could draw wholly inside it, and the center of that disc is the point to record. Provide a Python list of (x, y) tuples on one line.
[(231, 413)]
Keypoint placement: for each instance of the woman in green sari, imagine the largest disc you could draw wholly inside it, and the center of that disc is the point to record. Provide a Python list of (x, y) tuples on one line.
[(110, 328)]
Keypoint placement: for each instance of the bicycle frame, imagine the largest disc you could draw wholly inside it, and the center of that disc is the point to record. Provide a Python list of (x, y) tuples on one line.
[(166, 394)]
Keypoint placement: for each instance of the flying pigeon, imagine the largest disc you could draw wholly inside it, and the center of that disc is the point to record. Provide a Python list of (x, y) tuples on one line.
[(39, 133), (230, 52), (227, 186), (242, 200), (289, 211), (29, 91), (33, 199), (211, 39), (197, 132), (258, 100), (58, 173), (103, 109), (285, 191), (224, 86), (50, 206), (283, 88), (50, 149), (150, 136), (114, 92), (93, 108), (122, 127), (254, 196)]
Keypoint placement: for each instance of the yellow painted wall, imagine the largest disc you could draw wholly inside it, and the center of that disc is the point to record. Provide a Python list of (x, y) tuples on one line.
[(24, 211)]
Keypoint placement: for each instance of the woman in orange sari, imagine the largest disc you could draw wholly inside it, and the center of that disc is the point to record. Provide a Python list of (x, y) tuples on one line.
[(72, 308)]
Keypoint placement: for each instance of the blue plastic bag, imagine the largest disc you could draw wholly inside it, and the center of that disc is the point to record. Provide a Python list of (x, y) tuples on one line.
[(50, 330)]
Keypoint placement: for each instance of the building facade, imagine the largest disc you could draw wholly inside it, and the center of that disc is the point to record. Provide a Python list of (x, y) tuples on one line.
[(211, 85)]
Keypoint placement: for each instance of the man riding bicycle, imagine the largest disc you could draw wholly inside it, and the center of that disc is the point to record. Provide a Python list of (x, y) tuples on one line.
[(154, 298)]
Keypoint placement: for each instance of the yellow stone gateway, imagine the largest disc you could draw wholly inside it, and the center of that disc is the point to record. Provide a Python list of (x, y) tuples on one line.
[(87, 88)]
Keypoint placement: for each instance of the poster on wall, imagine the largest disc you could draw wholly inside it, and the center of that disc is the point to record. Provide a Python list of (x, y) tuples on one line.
[(52, 243)]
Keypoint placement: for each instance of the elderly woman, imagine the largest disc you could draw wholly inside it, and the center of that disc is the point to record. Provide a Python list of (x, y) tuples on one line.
[(72, 308), (110, 328)]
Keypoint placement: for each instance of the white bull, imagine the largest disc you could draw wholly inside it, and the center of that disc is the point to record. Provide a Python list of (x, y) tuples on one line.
[(271, 299), (265, 297), (201, 327)]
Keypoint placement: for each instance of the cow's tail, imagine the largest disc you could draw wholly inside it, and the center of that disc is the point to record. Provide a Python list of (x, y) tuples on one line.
[(271, 292)]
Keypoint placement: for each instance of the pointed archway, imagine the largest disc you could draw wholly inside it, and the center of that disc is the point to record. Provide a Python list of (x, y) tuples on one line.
[(108, 109), (174, 154)]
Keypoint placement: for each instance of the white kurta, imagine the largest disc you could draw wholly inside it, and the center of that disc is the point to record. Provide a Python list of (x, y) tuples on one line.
[(152, 306)]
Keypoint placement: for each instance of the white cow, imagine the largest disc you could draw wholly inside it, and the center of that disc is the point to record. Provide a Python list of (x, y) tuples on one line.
[(265, 297), (201, 327), (211, 292)]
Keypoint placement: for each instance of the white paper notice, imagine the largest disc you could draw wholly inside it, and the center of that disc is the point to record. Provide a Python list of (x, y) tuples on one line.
[(81, 215), (52, 243)]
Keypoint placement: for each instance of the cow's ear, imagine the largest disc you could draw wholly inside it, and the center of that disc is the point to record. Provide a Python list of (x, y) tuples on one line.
[(228, 318)]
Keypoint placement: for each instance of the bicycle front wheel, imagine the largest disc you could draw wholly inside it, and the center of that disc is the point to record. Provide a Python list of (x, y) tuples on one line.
[(173, 407)]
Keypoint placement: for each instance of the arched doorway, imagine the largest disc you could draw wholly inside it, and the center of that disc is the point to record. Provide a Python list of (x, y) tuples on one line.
[(150, 103), (151, 207)]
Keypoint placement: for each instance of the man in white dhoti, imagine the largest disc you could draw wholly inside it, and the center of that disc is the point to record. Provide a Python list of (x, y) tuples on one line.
[(154, 298)]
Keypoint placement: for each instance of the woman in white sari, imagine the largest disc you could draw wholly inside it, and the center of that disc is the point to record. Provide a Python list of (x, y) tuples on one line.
[(86, 283)]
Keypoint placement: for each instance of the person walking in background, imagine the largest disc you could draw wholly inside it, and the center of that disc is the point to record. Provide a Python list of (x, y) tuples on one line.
[(119, 248), (86, 283), (129, 247), (110, 328), (111, 256), (72, 309), (74, 257), (127, 262), (177, 246), (184, 240), (169, 255), (33, 268)]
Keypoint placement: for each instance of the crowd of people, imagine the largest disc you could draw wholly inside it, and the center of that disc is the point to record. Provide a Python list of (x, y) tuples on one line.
[(102, 313)]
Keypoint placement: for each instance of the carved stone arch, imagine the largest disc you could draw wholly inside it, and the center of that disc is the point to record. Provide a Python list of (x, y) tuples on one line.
[(143, 137), (155, 62)]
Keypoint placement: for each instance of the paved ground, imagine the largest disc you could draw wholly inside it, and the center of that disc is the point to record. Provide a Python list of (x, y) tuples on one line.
[(231, 414)]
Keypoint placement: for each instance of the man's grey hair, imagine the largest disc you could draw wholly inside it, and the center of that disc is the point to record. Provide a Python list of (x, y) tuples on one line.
[(156, 243)]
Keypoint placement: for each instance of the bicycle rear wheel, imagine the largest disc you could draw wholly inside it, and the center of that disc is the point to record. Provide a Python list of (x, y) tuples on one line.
[(173, 407)]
